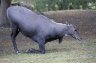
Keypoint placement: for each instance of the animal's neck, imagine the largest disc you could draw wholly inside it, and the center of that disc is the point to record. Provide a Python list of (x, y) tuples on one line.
[(61, 29)]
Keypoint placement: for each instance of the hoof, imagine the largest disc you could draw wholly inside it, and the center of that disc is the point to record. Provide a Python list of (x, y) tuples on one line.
[(32, 51), (42, 52), (17, 52)]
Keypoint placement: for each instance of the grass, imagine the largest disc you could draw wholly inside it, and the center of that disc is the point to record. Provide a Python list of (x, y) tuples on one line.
[(70, 51)]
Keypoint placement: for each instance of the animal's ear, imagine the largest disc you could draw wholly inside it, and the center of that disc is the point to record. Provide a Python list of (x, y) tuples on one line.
[(71, 25), (67, 23)]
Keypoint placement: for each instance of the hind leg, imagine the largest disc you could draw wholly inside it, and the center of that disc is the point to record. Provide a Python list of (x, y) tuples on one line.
[(14, 33)]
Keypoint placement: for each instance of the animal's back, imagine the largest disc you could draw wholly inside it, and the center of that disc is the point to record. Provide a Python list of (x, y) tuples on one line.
[(28, 21), (24, 16)]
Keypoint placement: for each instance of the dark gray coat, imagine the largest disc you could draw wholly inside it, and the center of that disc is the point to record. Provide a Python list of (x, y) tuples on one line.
[(39, 28)]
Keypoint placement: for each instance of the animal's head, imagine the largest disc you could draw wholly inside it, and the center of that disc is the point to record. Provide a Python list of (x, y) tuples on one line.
[(73, 32)]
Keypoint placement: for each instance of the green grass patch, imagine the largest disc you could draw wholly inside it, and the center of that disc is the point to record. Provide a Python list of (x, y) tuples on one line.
[(70, 51)]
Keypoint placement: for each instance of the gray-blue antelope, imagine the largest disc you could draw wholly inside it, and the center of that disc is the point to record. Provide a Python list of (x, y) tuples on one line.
[(37, 27)]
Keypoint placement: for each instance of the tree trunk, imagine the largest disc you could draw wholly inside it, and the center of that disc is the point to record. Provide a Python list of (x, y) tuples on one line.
[(0, 12), (4, 5)]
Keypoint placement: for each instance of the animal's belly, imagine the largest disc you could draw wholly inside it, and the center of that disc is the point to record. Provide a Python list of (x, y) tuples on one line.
[(28, 32), (51, 39)]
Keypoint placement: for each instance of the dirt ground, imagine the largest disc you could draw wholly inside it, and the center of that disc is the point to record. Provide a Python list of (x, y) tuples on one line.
[(85, 20)]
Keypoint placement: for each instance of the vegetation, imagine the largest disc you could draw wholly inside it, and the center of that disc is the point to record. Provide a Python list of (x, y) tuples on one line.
[(47, 5), (70, 51)]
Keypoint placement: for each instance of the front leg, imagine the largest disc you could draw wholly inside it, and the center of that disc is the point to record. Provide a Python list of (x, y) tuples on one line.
[(41, 43), (60, 39), (42, 47)]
